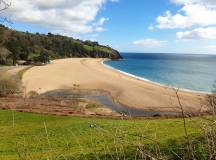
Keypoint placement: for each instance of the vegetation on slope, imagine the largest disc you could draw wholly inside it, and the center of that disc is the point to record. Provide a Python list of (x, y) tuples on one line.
[(33, 48)]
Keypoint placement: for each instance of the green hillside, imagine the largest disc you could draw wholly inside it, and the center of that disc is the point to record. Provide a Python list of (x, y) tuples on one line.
[(24, 47)]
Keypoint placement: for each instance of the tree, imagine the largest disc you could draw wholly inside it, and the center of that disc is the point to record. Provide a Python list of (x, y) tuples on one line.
[(4, 56), (43, 57), (3, 6), (13, 46)]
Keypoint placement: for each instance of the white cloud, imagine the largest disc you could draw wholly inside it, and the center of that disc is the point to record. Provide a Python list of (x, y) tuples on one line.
[(114, 0), (99, 25), (150, 43), (192, 13), (101, 21), (99, 29), (169, 21), (203, 2), (197, 16), (65, 16), (151, 28), (180, 1), (211, 47), (198, 33)]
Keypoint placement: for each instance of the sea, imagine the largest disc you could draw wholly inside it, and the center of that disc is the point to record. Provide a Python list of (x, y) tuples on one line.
[(191, 72)]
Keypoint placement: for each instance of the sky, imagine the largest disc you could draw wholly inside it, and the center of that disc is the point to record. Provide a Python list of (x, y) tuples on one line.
[(150, 26)]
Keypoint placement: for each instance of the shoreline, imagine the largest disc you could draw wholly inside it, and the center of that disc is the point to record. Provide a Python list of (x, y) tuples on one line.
[(121, 110), (150, 81), (92, 74)]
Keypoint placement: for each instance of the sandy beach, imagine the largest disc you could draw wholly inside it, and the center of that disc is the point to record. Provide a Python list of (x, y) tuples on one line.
[(87, 73)]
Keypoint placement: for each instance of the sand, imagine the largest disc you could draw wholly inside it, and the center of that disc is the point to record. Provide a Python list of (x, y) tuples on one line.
[(12, 70), (16, 69), (87, 73)]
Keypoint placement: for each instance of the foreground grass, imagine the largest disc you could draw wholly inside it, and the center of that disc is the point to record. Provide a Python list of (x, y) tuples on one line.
[(29, 136)]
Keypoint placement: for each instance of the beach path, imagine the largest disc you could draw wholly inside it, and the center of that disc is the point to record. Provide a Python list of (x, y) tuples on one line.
[(87, 73)]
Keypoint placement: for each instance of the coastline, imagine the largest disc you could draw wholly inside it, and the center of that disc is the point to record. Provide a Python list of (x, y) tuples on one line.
[(149, 81), (92, 74)]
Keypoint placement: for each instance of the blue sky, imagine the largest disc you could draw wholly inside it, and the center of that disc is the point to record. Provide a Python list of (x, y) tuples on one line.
[(161, 26)]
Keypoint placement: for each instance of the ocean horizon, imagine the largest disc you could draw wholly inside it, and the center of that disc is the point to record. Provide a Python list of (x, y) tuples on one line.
[(191, 72)]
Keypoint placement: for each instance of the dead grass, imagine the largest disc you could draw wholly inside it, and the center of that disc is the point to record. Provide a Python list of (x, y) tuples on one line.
[(9, 84), (53, 106)]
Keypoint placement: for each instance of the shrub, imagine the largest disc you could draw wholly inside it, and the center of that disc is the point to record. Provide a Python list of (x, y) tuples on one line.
[(33, 94), (9, 85), (92, 106), (4, 56)]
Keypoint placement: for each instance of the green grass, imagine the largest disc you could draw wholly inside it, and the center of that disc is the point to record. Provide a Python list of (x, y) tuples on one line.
[(22, 72), (88, 48), (33, 136), (19, 75), (99, 48), (103, 49)]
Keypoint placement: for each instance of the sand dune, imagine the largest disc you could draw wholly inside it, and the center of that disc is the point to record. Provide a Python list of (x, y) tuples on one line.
[(89, 73)]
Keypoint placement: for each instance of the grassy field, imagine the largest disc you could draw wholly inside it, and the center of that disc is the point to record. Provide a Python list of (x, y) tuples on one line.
[(28, 136)]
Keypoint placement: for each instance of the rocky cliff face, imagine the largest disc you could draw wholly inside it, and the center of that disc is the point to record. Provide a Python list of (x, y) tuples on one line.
[(115, 55), (111, 54)]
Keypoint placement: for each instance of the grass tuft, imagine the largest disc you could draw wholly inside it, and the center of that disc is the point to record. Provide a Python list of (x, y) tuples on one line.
[(9, 84)]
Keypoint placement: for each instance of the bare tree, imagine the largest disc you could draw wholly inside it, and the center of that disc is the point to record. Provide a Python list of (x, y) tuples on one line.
[(190, 153), (4, 5)]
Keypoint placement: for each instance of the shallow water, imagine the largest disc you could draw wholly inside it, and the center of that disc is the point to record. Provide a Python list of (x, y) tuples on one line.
[(104, 99), (186, 71)]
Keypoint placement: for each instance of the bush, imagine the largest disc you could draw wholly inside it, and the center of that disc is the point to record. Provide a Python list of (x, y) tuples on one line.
[(92, 106), (4, 56), (33, 94), (9, 85)]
